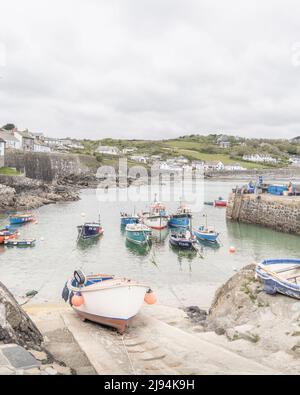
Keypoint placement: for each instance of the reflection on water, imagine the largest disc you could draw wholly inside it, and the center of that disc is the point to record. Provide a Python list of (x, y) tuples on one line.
[(138, 249), (56, 255)]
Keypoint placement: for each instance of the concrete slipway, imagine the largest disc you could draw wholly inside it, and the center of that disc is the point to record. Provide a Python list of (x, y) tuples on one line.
[(160, 341)]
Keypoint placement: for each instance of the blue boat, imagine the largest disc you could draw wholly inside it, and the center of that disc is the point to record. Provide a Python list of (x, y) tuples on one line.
[(138, 234), (20, 219), (127, 219), (280, 276), (183, 239), (181, 219), (20, 243), (205, 234), (90, 230)]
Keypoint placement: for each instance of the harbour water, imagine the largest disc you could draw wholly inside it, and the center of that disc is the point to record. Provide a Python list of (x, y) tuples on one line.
[(179, 278)]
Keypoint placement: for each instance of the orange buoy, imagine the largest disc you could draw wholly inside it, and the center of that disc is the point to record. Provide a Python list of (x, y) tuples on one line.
[(150, 298), (232, 250), (77, 300)]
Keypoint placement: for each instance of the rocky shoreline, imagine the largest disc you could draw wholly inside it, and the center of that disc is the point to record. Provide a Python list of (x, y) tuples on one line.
[(20, 193)]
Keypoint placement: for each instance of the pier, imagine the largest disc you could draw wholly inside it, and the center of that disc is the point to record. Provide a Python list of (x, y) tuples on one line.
[(281, 213)]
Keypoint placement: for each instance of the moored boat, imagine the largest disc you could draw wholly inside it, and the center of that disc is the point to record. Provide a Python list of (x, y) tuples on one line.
[(8, 234), (127, 219), (220, 202), (157, 217), (280, 276), (19, 219), (181, 219), (183, 239), (206, 234), (138, 234), (90, 230), (20, 243), (106, 299)]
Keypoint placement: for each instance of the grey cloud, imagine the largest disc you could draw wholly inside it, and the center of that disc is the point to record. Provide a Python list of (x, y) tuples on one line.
[(150, 68)]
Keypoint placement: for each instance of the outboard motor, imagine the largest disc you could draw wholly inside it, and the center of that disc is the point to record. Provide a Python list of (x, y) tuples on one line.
[(79, 277)]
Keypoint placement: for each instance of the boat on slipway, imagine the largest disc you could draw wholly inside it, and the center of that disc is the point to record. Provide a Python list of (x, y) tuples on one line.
[(280, 276), (20, 219), (106, 299), (138, 234), (157, 217), (181, 219)]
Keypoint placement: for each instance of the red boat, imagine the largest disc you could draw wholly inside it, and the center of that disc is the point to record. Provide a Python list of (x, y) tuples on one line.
[(6, 234), (220, 203)]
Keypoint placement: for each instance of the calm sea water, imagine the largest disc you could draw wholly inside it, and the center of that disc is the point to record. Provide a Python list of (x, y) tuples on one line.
[(179, 278)]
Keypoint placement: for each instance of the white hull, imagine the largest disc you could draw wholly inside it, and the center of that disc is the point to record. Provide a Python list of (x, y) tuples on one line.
[(116, 302), (156, 222)]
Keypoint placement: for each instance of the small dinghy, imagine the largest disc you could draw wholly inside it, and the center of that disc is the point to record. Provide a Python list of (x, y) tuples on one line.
[(280, 276), (204, 233), (20, 243), (183, 239), (138, 234), (8, 234), (105, 299), (220, 202), (19, 219), (90, 230), (127, 219)]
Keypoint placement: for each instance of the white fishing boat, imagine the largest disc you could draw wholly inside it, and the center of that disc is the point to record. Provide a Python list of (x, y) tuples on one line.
[(105, 299), (157, 217)]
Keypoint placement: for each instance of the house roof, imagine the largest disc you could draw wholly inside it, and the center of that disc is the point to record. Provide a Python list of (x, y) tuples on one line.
[(25, 134), (1, 140), (7, 136)]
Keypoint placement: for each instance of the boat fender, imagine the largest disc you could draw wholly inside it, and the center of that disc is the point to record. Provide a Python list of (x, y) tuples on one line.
[(150, 297), (77, 300), (79, 277)]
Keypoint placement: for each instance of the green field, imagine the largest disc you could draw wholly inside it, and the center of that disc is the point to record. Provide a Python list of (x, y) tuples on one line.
[(9, 171)]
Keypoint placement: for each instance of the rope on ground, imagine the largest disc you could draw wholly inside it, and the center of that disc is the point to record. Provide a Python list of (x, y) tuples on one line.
[(128, 356)]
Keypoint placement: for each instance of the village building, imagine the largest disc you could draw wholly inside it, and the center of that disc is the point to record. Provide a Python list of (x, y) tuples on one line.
[(108, 150), (2, 152), (259, 158), (214, 166), (234, 167), (140, 158), (41, 147), (223, 142), (129, 150), (11, 142), (25, 138)]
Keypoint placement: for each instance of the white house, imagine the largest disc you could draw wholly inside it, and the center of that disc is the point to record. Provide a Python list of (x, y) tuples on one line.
[(223, 142), (295, 161), (108, 150), (53, 142), (139, 158), (129, 150), (234, 167), (41, 147), (2, 152), (214, 166), (259, 158), (11, 142)]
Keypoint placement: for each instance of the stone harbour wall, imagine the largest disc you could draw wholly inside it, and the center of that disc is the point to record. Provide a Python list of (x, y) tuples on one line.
[(281, 213), (50, 167)]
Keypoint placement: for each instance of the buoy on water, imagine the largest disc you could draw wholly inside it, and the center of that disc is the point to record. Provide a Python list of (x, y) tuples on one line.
[(232, 250), (83, 214), (42, 239)]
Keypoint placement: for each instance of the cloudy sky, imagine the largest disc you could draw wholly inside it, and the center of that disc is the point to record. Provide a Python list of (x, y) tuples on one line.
[(151, 68)]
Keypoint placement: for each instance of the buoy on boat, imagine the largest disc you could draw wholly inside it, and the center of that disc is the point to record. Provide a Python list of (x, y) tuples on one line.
[(77, 300), (232, 250), (150, 297)]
